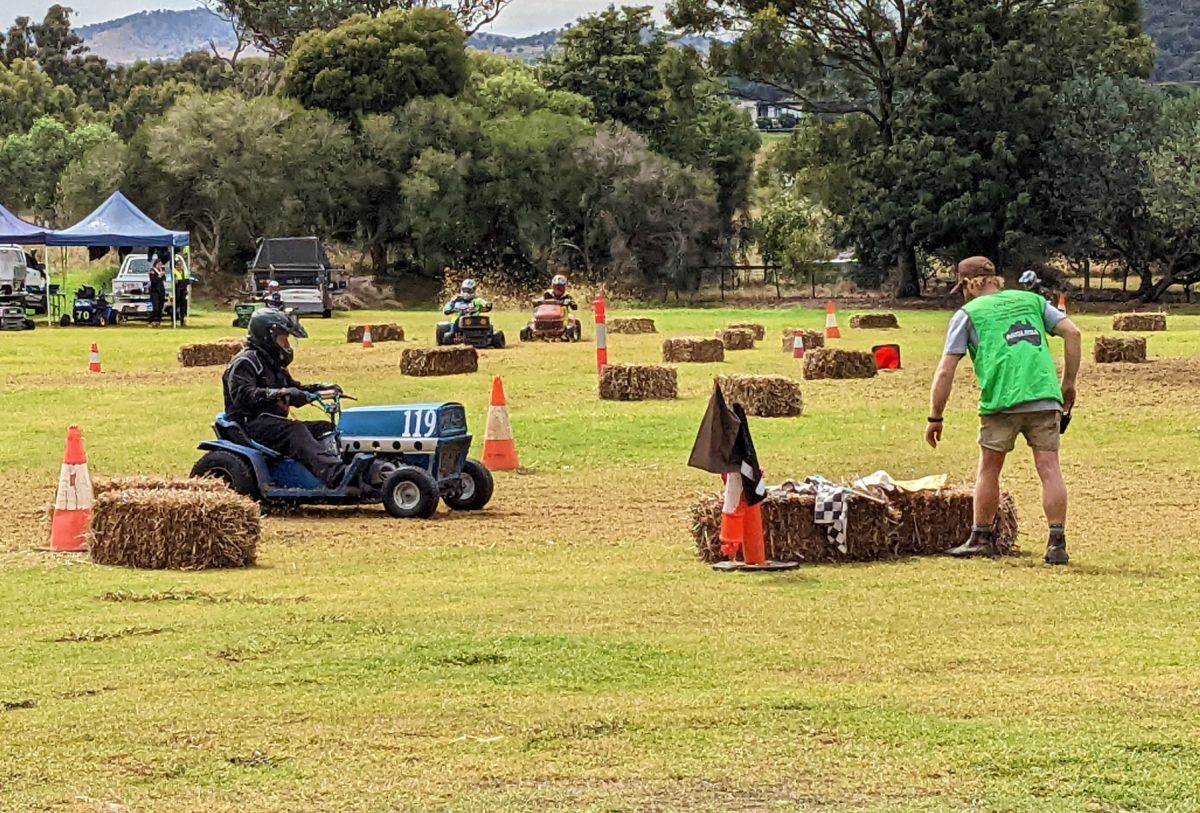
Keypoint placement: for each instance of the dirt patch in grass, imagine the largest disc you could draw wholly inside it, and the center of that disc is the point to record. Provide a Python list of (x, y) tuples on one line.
[(90, 636), (199, 596)]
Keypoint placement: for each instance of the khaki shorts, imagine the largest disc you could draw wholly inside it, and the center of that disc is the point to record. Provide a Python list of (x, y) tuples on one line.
[(999, 432)]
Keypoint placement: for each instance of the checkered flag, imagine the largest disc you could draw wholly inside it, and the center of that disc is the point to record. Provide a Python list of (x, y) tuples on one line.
[(831, 509)]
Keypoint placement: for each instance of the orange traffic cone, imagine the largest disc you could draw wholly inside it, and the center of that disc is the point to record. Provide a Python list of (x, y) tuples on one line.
[(798, 347), (94, 360), (1062, 302), (754, 550), (367, 343), (73, 506), (499, 448), (831, 325)]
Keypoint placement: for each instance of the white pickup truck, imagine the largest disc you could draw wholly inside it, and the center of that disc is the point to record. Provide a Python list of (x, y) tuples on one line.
[(15, 275), (131, 288), (302, 268)]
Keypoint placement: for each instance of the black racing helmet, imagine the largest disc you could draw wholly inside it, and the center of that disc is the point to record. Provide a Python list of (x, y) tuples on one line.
[(267, 324)]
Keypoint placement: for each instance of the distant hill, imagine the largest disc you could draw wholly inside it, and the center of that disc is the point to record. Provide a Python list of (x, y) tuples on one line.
[(158, 35), (155, 35), (1175, 27)]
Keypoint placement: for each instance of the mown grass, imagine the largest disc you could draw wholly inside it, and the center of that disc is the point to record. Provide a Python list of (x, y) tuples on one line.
[(565, 650)]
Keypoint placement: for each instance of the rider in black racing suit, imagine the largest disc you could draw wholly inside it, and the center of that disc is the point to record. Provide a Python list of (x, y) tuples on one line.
[(259, 390)]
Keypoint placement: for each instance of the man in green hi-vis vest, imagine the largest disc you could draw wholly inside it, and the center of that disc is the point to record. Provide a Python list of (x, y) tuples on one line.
[(1007, 335)]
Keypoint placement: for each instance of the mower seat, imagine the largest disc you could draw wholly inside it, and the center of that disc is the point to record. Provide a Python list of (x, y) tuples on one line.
[(233, 432)]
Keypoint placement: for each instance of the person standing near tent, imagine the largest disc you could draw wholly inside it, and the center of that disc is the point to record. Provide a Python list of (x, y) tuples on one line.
[(183, 282), (158, 290), (1007, 334)]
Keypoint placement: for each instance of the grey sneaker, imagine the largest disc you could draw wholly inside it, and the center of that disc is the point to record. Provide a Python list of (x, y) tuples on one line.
[(981, 543), (1056, 550)]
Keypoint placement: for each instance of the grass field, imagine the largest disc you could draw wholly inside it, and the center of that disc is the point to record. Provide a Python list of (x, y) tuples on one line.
[(565, 650)]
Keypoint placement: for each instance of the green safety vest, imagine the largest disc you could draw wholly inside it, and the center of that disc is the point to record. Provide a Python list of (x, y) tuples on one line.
[(1013, 361)]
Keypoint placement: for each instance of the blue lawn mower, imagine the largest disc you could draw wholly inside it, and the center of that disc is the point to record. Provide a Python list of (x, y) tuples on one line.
[(407, 457)]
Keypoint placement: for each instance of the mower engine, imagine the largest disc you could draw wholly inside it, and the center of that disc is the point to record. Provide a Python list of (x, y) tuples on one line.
[(432, 437), (12, 317)]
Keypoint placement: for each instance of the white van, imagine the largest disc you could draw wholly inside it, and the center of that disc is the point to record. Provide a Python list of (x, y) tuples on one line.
[(13, 273)]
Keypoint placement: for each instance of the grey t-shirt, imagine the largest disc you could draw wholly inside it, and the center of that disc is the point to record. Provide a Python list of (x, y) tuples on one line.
[(962, 336)]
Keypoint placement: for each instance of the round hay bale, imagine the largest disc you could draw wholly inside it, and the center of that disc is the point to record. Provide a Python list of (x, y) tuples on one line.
[(210, 354), (1110, 349), (631, 325), (174, 529), (759, 331), (763, 396), (379, 333), (421, 361), (812, 338), (736, 338), (874, 321), (1140, 322), (638, 382), (825, 362), (697, 351)]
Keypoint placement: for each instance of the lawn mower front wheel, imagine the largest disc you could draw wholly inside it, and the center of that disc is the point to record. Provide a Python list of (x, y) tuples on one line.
[(410, 492), (477, 488), (230, 469)]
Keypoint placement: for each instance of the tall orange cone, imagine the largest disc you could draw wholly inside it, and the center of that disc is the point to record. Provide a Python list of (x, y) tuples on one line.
[(831, 325), (73, 505), (499, 448), (94, 360), (367, 343), (1062, 302)]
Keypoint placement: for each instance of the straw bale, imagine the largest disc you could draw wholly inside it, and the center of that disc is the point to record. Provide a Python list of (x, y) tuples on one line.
[(736, 338), (763, 396), (693, 350), (923, 524), (1140, 322), (874, 321), (812, 338), (419, 361), (638, 382), (379, 333), (210, 354), (759, 331), (1111, 349), (107, 484), (175, 529), (827, 362), (631, 325)]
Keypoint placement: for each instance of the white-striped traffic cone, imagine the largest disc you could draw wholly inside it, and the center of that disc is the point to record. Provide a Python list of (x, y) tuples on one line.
[(831, 325), (73, 505), (499, 448), (94, 359), (367, 343)]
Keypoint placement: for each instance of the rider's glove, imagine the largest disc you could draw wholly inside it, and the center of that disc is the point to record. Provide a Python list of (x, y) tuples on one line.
[(296, 397), (322, 388)]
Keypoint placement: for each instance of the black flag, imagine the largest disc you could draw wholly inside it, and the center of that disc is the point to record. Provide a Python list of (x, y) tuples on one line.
[(724, 446)]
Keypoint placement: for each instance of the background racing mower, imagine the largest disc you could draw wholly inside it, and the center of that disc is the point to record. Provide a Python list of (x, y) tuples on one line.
[(471, 325), (90, 310), (552, 322), (406, 457)]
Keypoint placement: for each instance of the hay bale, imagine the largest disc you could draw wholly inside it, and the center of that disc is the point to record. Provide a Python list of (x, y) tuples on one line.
[(693, 350), (630, 325), (638, 382), (874, 321), (827, 362), (1111, 349), (379, 333), (736, 338), (1141, 322), (108, 484), (759, 331), (174, 529), (924, 524), (763, 396), (421, 361), (210, 354), (812, 338)]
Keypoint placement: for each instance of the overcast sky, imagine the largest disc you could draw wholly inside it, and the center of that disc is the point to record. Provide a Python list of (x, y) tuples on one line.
[(522, 17)]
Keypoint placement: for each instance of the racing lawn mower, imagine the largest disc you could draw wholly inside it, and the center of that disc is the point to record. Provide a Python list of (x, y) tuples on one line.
[(90, 310), (406, 457), (552, 322), (471, 326)]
